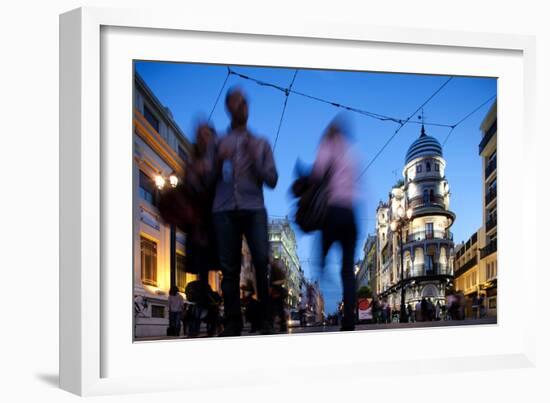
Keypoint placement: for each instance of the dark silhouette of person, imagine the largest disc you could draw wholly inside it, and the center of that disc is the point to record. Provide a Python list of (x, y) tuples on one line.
[(244, 164)]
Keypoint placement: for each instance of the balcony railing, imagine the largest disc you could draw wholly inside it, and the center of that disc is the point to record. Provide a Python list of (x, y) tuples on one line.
[(491, 223), (423, 235), (487, 137), (418, 202), (486, 251), (490, 168), (466, 266), (426, 269), (490, 195)]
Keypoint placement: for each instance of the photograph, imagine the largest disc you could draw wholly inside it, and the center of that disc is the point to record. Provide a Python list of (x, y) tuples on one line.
[(288, 200)]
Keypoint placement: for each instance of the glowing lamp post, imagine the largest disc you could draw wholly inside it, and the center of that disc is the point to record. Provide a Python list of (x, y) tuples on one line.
[(160, 182), (402, 219)]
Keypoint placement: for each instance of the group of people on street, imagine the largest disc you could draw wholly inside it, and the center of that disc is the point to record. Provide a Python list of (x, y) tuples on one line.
[(425, 309), (224, 202)]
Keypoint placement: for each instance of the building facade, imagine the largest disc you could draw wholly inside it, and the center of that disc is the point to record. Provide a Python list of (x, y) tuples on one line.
[(315, 305), (283, 247), (467, 270), (488, 242), (160, 149), (367, 266), (427, 242)]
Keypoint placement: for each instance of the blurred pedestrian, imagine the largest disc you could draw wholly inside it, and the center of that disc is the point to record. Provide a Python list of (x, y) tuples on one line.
[(481, 304), (336, 164), (424, 309), (302, 309), (475, 307), (418, 311), (175, 311), (438, 310), (431, 310), (251, 310), (244, 163), (410, 316)]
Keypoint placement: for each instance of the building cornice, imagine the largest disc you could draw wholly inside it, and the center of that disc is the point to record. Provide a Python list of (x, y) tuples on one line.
[(154, 140)]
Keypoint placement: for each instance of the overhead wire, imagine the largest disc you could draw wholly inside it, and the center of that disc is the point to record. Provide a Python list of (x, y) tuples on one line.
[(287, 92), (466, 117), (219, 94), (370, 114), (401, 125)]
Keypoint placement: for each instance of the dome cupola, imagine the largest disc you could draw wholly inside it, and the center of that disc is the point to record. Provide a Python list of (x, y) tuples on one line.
[(424, 146)]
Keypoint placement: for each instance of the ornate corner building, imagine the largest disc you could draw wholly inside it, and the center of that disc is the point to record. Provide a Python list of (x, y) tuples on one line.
[(427, 242)]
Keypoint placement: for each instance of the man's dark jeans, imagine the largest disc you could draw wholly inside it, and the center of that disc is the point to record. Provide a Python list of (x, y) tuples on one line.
[(340, 227), (230, 226)]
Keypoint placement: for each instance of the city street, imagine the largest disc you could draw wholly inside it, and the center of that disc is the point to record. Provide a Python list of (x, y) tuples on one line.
[(374, 327)]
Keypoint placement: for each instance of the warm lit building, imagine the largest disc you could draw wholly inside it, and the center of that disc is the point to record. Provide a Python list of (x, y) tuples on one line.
[(160, 150), (488, 242), (283, 247), (466, 270), (315, 303), (427, 241)]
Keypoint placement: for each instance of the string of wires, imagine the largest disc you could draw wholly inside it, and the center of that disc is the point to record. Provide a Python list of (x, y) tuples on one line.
[(466, 117), (289, 90), (381, 117), (401, 125)]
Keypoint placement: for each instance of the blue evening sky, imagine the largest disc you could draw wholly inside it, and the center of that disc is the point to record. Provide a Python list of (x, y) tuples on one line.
[(190, 91)]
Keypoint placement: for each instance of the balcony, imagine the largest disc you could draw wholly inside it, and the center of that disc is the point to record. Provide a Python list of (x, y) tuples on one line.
[(491, 167), (423, 235), (490, 223), (419, 202), (490, 195), (486, 251), (488, 136), (434, 269), (466, 266)]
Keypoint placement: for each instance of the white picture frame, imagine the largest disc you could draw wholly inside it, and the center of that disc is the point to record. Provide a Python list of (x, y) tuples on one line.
[(97, 357)]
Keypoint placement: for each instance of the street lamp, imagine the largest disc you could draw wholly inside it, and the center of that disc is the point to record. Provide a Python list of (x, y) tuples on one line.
[(160, 182), (402, 219)]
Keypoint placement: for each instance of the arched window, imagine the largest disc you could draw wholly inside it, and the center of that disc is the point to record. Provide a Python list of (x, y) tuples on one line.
[(428, 166), (418, 168)]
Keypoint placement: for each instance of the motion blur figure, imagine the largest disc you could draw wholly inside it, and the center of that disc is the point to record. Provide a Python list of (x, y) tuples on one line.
[(244, 164), (200, 243), (335, 159)]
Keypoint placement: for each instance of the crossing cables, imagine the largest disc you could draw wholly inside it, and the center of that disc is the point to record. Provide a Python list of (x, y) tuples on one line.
[(287, 92), (466, 117), (401, 125)]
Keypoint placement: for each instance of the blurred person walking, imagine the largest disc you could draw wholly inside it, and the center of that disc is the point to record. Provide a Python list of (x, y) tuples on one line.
[(481, 304), (244, 163), (175, 311), (418, 311), (336, 164), (438, 311)]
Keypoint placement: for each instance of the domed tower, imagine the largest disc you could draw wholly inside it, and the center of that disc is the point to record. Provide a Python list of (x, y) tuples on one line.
[(427, 241)]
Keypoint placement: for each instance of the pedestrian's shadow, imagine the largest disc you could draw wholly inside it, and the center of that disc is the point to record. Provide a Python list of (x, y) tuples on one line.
[(50, 379)]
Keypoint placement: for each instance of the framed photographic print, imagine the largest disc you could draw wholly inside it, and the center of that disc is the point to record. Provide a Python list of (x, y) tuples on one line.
[(284, 199)]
